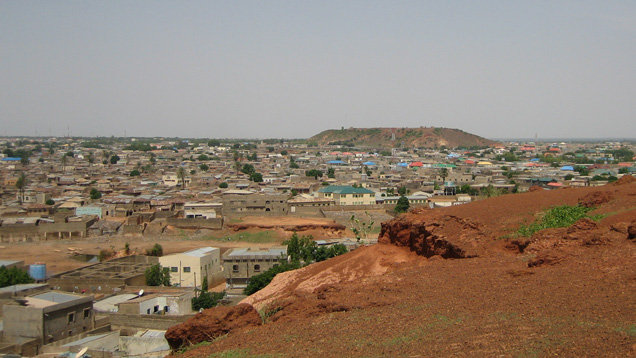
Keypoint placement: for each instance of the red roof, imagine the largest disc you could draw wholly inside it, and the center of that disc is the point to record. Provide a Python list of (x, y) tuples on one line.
[(416, 164)]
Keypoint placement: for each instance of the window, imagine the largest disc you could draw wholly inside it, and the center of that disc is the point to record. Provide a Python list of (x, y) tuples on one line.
[(87, 312), (235, 268), (174, 269), (186, 268), (71, 317), (257, 267)]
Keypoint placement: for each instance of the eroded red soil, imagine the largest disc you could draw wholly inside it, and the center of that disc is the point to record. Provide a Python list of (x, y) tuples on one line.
[(474, 290)]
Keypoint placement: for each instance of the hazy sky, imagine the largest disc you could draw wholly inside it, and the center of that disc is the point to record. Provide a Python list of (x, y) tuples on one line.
[(272, 69)]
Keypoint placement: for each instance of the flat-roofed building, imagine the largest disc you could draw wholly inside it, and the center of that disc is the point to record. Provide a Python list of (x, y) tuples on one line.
[(47, 317), (241, 264), (187, 269)]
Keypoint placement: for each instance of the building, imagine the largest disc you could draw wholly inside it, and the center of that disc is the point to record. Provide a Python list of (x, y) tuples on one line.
[(47, 317), (348, 195), (255, 204), (187, 269), (202, 210), (174, 302), (240, 265)]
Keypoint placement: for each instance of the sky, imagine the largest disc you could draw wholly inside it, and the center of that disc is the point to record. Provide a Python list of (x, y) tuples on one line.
[(291, 69)]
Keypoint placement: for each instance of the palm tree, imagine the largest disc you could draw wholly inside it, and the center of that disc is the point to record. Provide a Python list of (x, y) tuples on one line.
[(20, 184), (181, 175), (64, 159)]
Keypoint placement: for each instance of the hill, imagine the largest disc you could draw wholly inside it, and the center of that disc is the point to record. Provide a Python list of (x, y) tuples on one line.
[(422, 137), (457, 281)]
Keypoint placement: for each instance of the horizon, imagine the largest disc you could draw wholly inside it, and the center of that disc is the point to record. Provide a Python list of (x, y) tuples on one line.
[(286, 70)]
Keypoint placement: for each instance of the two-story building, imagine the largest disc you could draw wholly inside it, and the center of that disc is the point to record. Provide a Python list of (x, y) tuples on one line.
[(241, 264), (187, 269), (348, 195)]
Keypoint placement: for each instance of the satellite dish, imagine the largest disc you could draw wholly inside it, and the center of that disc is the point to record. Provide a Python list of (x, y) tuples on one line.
[(141, 292), (81, 353)]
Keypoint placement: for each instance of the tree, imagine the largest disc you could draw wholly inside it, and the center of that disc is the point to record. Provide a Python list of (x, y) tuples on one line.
[(248, 169), (314, 173), (331, 173), (256, 177), (214, 143), (203, 157), (207, 300), (402, 205), (157, 275), (20, 184), (156, 250), (223, 185), (204, 167), (13, 276), (114, 159), (361, 228), (50, 202), (402, 190), (95, 194), (64, 159), (181, 176), (284, 152), (135, 173)]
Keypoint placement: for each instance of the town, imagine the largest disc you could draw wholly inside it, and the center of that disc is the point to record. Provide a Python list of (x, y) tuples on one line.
[(210, 214)]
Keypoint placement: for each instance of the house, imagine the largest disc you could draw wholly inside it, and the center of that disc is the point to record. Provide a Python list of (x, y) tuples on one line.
[(47, 317), (348, 195), (175, 302), (202, 210), (260, 204), (241, 264), (187, 269)]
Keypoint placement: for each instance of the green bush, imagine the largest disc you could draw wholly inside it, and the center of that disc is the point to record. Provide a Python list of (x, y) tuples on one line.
[(259, 282), (157, 276), (560, 216), (207, 300), (13, 276)]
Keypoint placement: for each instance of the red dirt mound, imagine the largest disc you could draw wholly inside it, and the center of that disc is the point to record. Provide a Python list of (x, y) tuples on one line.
[(596, 198), (356, 265), (212, 323), (625, 179)]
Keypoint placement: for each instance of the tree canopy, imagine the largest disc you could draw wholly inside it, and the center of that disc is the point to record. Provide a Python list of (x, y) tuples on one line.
[(157, 276)]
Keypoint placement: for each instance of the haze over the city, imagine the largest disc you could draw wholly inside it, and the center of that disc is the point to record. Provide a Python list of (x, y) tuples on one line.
[(291, 69)]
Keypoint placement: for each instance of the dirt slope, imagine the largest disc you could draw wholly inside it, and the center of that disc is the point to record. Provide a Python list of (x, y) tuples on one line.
[(421, 137), (565, 292)]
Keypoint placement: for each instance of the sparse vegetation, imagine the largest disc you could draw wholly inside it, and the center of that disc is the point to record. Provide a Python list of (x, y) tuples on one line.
[(560, 216)]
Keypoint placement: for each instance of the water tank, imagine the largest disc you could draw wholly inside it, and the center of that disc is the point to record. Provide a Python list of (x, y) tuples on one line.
[(38, 271)]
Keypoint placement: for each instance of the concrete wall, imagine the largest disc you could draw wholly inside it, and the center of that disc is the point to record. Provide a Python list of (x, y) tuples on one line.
[(22, 321), (118, 321), (211, 224)]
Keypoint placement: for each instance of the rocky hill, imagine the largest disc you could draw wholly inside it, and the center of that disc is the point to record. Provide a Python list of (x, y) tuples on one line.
[(458, 281), (422, 137)]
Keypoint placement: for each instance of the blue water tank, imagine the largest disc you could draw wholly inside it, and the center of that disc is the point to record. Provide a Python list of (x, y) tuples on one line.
[(38, 271)]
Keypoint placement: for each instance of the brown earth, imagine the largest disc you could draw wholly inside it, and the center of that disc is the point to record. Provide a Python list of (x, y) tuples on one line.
[(304, 226), (563, 292)]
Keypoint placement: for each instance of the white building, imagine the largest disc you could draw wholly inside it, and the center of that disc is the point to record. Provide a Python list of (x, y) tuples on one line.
[(187, 269)]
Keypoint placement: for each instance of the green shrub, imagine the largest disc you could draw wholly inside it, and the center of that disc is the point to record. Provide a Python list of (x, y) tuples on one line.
[(560, 216)]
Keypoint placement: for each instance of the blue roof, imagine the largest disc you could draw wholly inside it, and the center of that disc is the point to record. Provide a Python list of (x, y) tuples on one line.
[(335, 162), (567, 167), (403, 164), (534, 160), (369, 163), (11, 159)]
